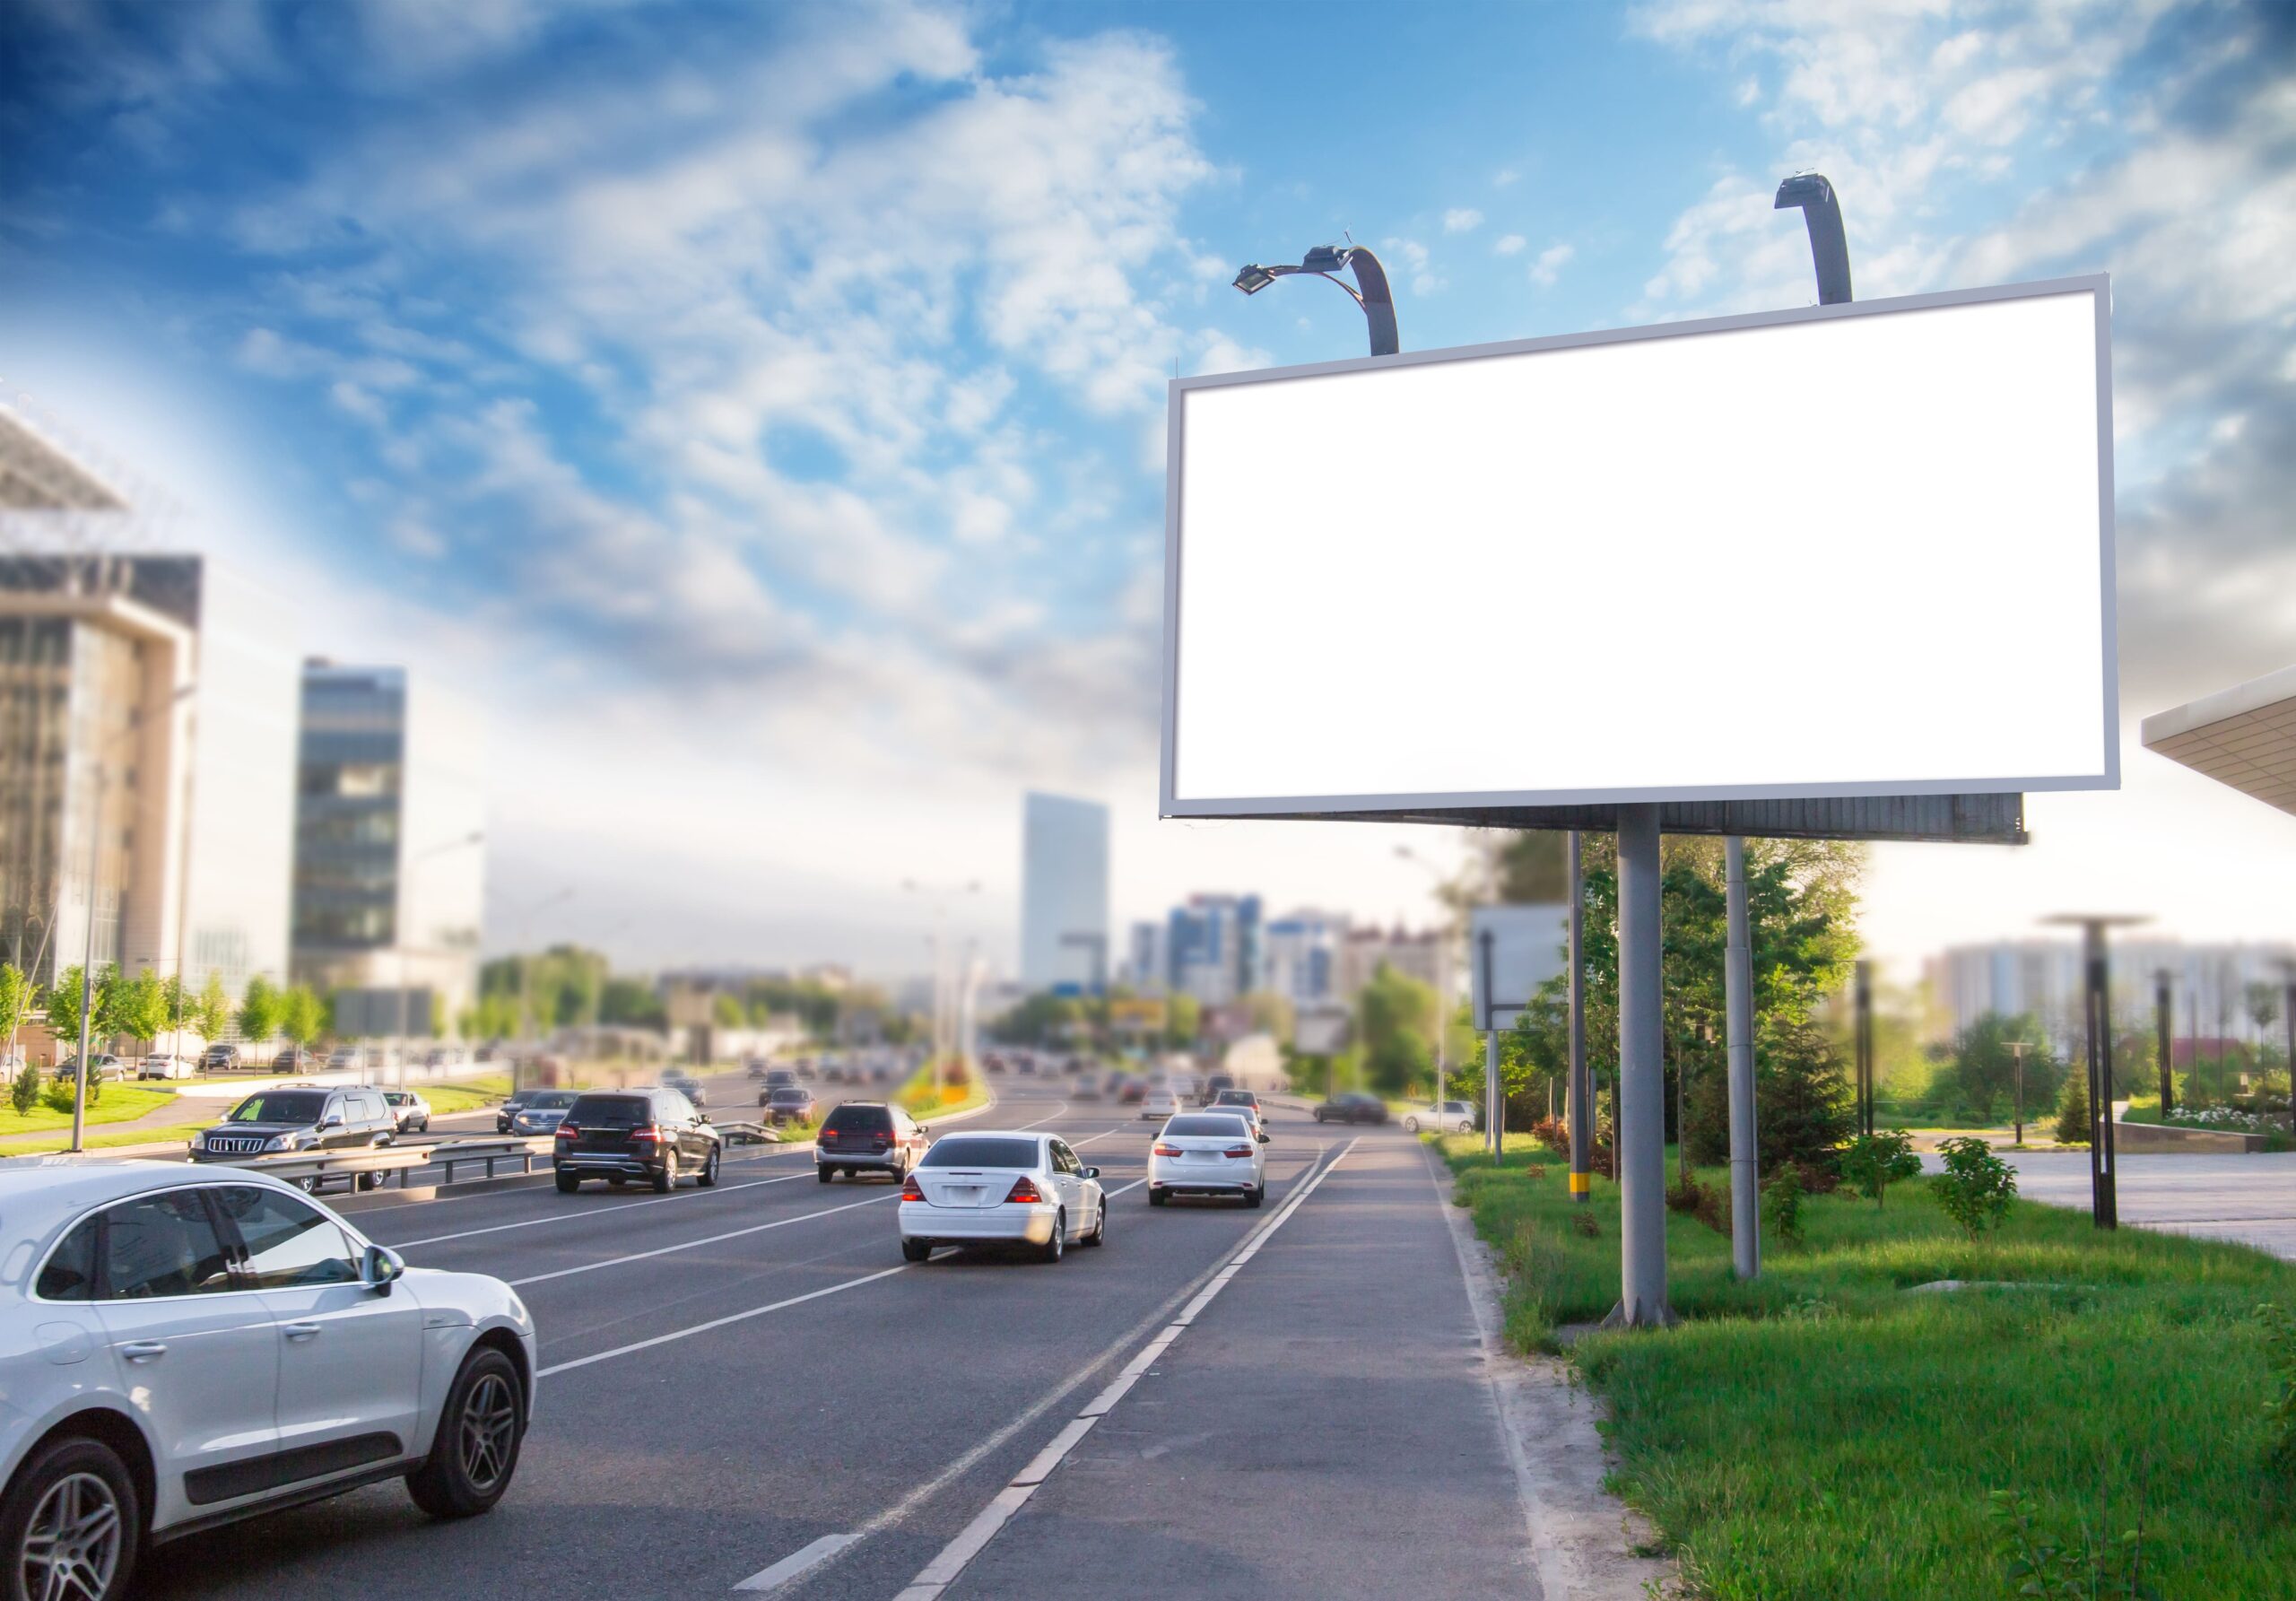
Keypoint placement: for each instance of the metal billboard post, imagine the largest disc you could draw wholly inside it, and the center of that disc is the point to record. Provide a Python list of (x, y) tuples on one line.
[(1745, 1151), (1578, 1103), (1640, 1137), (1862, 994), (1494, 1106)]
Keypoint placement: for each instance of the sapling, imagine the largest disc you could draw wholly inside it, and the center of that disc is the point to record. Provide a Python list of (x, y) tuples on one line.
[(1976, 1188), (1874, 1161)]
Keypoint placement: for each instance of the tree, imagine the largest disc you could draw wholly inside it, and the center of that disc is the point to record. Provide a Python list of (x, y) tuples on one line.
[(2263, 1006), (1271, 1014), (302, 1017), (64, 1007), (2073, 1110), (139, 1006), (260, 1013), (1874, 1161), (1977, 1186), (1395, 1019), (1183, 1020), (210, 1012), (1979, 1083), (725, 1012), (16, 996), (23, 1089)]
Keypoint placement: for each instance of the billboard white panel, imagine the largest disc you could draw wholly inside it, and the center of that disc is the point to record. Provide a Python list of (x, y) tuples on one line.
[(1841, 551), (1526, 947)]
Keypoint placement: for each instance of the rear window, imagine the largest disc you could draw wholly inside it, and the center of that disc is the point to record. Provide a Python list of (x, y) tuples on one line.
[(281, 1106), (551, 1100), (1455, 1107), (609, 1111), (859, 1120), (981, 1151), (1206, 1127), (792, 1096), (1236, 1098)]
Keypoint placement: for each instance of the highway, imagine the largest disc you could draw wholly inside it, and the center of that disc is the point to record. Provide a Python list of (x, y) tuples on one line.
[(745, 1390)]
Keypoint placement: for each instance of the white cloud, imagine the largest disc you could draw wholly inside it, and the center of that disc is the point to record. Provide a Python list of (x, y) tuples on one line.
[(1462, 218), (1504, 177), (1509, 244), (1418, 264), (1549, 265)]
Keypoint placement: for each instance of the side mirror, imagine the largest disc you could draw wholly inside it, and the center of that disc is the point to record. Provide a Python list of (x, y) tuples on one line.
[(1267, 1138), (925, 1128), (332, 1121), (1092, 1172), (381, 1268)]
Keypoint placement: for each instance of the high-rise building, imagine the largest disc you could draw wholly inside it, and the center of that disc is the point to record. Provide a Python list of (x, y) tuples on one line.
[(1303, 956), (1147, 965), (1212, 947), (147, 744), (389, 869), (1063, 894)]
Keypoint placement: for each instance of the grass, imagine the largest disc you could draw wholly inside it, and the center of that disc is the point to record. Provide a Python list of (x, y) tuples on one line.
[(464, 1095), (1819, 1433), (922, 1097), (120, 1103)]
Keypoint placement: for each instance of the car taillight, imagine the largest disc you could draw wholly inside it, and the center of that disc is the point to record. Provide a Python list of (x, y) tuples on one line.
[(1237, 1151), (829, 1134), (1023, 1191), (648, 1131), (567, 1131), (1164, 1150), (911, 1190)]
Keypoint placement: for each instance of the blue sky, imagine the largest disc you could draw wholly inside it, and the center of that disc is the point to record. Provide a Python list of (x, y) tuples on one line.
[(758, 409)]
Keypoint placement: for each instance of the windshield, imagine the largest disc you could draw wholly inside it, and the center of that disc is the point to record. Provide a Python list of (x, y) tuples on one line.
[(608, 1111), (281, 1106), (551, 1100), (791, 1095), (1203, 1125), (1236, 1098), (982, 1150)]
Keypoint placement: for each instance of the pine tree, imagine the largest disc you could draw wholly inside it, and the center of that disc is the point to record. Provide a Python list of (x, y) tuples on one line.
[(2073, 1110)]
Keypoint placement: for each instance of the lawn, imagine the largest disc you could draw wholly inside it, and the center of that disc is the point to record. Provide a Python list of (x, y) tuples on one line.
[(464, 1095), (1821, 1432), (119, 1103)]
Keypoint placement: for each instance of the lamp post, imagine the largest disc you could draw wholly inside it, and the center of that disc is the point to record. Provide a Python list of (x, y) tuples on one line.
[(2165, 1014), (1579, 1101), (2288, 1018), (2017, 1049), (2104, 1206), (1371, 292)]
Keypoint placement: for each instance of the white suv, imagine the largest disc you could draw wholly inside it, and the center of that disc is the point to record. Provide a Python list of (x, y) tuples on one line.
[(180, 1349)]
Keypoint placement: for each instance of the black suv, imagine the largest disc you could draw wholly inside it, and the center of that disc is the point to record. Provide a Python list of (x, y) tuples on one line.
[(868, 1136), (305, 1117), (617, 1135), (1353, 1108)]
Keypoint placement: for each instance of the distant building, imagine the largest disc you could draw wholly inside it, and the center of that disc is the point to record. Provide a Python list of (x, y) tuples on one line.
[(147, 709), (1420, 956), (2215, 989), (1063, 894), (1303, 956), (1147, 964), (389, 881), (1214, 947)]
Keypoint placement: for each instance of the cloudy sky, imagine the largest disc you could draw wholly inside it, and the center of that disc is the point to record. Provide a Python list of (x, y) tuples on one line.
[(758, 409)]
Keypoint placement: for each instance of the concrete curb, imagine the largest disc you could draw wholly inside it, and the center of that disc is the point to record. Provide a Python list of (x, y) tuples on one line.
[(1583, 1538)]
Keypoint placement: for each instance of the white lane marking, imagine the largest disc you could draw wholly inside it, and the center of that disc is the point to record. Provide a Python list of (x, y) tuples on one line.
[(731, 1318), (996, 1441), (561, 1217), (944, 1569), (796, 1562), (690, 1245)]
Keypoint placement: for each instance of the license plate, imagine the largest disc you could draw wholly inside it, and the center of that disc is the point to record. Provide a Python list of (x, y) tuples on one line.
[(966, 1195)]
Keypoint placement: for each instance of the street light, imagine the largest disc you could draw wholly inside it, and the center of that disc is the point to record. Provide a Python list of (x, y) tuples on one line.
[(2104, 1205), (1371, 292), (2017, 1049)]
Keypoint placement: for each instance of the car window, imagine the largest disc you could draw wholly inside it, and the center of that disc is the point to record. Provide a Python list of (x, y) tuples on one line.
[(981, 1151), (288, 1243), (162, 1245), (609, 1112), (1205, 1125), (550, 1100), (675, 1108), (70, 1271), (1457, 1107), (280, 1105), (1064, 1159)]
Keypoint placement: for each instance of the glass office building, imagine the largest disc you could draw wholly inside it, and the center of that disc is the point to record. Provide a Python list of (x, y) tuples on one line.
[(1063, 894)]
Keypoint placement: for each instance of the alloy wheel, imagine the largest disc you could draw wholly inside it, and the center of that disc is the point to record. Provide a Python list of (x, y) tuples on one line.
[(71, 1546), (490, 1424)]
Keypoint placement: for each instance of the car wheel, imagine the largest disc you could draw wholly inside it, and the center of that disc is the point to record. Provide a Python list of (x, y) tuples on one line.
[(825, 1173), (366, 1181), (568, 1183), (1059, 1240), (897, 1173), (915, 1250), (666, 1179), (1157, 1198), (707, 1177), (73, 1523), (1253, 1197), (1410, 1126), (476, 1449), (1099, 1234), (309, 1184)]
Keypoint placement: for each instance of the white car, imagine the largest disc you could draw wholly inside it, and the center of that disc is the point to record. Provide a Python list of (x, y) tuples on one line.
[(1452, 1117), (410, 1111), (992, 1187), (161, 1065), (1160, 1103), (185, 1349), (1208, 1153)]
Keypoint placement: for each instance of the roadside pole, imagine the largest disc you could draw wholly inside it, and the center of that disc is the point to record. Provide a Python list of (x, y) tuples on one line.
[(2164, 1023), (2097, 1012), (1863, 994), (1745, 1163), (1578, 1107), (2017, 1048), (1494, 1105), (1642, 1133), (2288, 1016)]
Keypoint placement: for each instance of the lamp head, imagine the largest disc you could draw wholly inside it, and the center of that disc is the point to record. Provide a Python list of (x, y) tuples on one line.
[(1254, 278), (1327, 258), (1803, 190)]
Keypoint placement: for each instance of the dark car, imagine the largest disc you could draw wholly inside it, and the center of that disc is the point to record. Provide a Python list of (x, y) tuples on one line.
[(1213, 1085), (656, 1135), (293, 1059), (868, 1136), (1131, 1090), (101, 1065), (543, 1112), (512, 1105), (780, 1078), (219, 1058), (304, 1117), (1352, 1107), (787, 1103)]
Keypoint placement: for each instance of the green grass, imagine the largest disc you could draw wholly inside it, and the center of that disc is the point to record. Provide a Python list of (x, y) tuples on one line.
[(120, 1101), (464, 1095), (1820, 1432)]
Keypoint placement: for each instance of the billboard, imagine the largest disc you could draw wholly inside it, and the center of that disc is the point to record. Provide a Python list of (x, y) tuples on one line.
[(1862, 550), (1511, 950), (372, 1013), (1322, 1030)]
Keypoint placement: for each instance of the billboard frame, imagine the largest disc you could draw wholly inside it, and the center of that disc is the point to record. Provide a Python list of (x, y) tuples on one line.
[(1529, 808)]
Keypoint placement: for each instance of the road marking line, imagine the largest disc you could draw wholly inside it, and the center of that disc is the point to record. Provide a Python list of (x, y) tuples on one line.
[(670, 1250), (732, 1318), (796, 1562), (944, 1568)]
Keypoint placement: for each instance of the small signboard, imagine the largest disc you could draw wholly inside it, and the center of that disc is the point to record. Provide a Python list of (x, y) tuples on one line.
[(1321, 1031), (1511, 950)]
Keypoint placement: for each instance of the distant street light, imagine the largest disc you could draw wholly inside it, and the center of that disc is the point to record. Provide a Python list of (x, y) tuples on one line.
[(1828, 245), (2017, 1049), (1371, 292), (2104, 1205)]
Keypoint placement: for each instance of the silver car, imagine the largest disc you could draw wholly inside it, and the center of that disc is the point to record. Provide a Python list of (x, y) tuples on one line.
[(996, 1187), (543, 1112), (185, 1348)]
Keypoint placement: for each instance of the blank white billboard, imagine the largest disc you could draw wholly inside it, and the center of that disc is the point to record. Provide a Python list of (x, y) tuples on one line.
[(1840, 550), (1511, 950)]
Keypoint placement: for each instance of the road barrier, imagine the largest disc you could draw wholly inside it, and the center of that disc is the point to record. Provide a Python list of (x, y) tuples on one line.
[(312, 1168)]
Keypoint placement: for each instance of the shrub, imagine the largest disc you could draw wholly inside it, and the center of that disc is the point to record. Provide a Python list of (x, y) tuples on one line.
[(1583, 1223), (2037, 1561), (1555, 1134), (1874, 1161), (1714, 1208), (24, 1093), (1976, 1188), (1684, 1195), (2073, 1111), (2280, 1412), (59, 1096), (1781, 1205)]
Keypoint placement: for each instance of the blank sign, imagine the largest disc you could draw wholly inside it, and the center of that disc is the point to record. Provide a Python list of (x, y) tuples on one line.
[(1852, 549)]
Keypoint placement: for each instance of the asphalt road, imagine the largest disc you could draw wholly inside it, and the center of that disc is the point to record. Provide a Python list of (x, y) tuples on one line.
[(748, 1386)]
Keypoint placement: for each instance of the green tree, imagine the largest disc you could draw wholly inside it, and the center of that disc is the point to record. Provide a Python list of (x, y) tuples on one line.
[(64, 1007), (260, 1011), (633, 1003), (1979, 1082), (2073, 1110), (1977, 1186), (1271, 1014), (1874, 1161), (727, 1011), (1183, 1020), (17, 994), (302, 1017), (23, 1089), (210, 1012), (139, 1006), (1395, 1021)]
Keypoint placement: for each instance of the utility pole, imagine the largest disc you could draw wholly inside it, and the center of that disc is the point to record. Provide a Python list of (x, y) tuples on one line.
[(1494, 1106), (88, 960), (2288, 1018), (2017, 1048), (1746, 1149), (2104, 1206), (2164, 1013), (1579, 1106)]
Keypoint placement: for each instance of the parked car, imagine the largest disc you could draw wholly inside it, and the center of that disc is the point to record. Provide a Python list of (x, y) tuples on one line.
[(788, 1103), (656, 1135), (1208, 1153), (1450, 1117), (780, 1078), (1350, 1106), (994, 1187), (507, 1112), (1214, 1083), (166, 1064), (868, 1136), (219, 1058), (307, 1117), (543, 1112), (348, 1058), (195, 1394), (101, 1065), (411, 1111), (295, 1059), (1159, 1104), (685, 1084)]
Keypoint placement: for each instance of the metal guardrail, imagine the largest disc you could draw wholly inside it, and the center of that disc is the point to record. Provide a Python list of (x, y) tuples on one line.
[(318, 1166), (449, 1153)]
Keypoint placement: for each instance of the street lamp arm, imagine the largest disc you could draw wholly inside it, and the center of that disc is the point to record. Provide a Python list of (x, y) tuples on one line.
[(1828, 245)]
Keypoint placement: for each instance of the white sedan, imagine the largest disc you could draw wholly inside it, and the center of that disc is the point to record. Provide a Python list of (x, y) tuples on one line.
[(996, 1187), (1208, 1153), (161, 1063), (1452, 1117), (1159, 1104), (183, 1348)]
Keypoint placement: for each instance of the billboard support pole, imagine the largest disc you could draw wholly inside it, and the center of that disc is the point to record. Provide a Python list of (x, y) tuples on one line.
[(1641, 1134), (2164, 1023), (1494, 1105), (1737, 982), (1578, 1103)]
